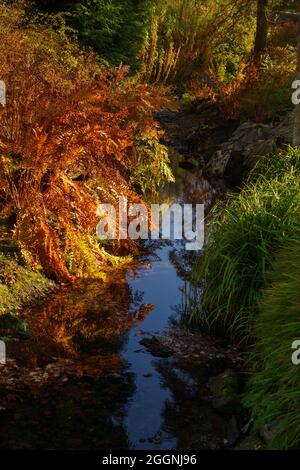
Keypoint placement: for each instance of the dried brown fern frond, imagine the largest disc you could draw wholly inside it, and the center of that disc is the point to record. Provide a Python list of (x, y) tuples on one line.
[(65, 137)]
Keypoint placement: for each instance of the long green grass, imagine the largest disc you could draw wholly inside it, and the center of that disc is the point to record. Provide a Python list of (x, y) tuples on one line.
[(273, 390), (244, 237), (284, 162)]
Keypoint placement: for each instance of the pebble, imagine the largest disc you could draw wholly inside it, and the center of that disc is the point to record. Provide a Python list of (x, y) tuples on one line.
[(139, 333)]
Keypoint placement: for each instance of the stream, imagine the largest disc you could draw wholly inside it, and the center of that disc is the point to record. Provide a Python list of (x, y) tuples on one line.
[(162, 287), (80, 379)]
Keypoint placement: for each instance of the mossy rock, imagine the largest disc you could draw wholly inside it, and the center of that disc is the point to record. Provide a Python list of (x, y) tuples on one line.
[(252, 442), (155, 347), (20, 285), (225, 392)]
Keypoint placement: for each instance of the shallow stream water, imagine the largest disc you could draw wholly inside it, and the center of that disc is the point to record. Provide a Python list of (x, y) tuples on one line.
[(88, 382)]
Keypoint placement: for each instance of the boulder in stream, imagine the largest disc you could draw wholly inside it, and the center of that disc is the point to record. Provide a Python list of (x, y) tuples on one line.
[(225, 392), (248, 143), (156, 347)]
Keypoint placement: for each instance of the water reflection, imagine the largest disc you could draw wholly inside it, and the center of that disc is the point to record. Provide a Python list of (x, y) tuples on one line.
[(72, 387), (187, 414), (77, 414), (86, 319), (162, 286), (86, 381)]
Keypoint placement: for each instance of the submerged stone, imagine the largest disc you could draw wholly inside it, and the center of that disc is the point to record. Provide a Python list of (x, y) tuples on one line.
[(225, 392), (155, 347)]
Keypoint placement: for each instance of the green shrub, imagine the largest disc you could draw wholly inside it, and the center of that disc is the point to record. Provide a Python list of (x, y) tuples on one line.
[(114, 28), (244, 236), (273, 391), (152, 166)]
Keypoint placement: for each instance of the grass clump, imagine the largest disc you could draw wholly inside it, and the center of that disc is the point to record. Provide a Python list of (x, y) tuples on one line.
[(284, 162), (273, 390), (244, 237)]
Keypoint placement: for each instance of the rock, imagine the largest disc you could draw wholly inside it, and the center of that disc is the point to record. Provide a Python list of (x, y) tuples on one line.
[(284, 130), (157, 439), (268, 433), (261, 148), (248, 143), (252, 442), (218, 163), (233, 431), (188, 165), (139, 333), (225, 392), (155, 347), (191, 164), (115, 375)]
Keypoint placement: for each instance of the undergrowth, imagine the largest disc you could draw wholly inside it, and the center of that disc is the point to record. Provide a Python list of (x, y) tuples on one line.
[(68, 136), (244, 237), (273, 389)]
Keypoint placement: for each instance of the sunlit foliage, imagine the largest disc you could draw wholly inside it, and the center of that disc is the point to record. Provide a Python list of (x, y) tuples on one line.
[(190, 35), (245, 236), (66, 134)]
